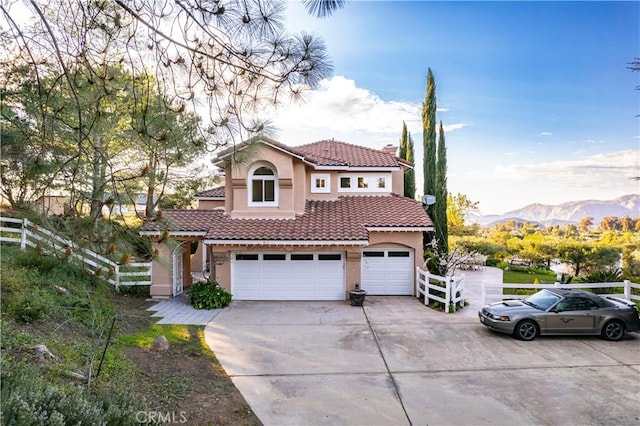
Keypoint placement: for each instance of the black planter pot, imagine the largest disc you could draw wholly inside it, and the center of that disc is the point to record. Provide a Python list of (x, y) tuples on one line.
[(357, 297)]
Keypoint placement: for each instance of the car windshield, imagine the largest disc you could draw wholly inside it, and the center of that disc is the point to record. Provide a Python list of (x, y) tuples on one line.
[(542, 300)]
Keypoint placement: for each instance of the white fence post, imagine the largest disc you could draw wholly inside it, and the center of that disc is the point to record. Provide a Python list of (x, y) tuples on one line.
[(117, 274), (627, 290), (23, 234), (447, 297)]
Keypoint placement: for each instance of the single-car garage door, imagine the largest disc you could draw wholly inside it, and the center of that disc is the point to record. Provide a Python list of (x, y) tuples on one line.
[(287, 276), (387, 271)]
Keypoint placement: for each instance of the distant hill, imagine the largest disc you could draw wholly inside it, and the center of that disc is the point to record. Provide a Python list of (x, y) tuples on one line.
[(570, 212)]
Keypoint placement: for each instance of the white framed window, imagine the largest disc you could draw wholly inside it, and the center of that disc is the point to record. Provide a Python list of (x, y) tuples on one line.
[(320, 183), (353, 182), (263, 185)]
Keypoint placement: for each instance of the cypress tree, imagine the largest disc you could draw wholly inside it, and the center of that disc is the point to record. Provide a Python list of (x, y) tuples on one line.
[(402, 153), (429, 138), (440, 207), (429, 144), (406, 153), (410, 176)]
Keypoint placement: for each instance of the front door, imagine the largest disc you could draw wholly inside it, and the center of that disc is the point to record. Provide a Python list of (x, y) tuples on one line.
[(178, 268)]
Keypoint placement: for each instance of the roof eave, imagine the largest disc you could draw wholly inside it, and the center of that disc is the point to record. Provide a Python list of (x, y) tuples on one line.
[(288, 242), (400, 228)]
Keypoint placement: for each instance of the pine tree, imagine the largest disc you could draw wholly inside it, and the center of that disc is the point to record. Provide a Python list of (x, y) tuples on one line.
[(440, 207)]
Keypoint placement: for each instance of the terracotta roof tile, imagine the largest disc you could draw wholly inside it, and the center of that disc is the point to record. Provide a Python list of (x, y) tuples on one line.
[(330, 153), (346, 218), (336, 153), (212, 193)]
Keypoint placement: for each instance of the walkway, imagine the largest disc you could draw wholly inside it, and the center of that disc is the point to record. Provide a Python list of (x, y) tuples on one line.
[(178, 311)]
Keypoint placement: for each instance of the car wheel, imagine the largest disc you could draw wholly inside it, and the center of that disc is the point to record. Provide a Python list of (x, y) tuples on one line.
[(526, 330), (613, 330)]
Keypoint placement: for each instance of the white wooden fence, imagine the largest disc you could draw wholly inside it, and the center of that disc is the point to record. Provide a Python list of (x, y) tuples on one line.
[(26, 233), (495, 291), (448, 290)]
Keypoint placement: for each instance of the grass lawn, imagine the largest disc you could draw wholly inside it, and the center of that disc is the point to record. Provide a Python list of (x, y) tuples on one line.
[(527, 278)]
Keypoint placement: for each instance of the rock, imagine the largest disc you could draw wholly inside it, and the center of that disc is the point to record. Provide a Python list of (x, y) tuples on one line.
[(63, 290), (160, 343), (43, 352)]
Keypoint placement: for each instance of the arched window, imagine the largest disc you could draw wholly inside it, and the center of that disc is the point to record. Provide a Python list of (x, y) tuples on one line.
[(264, 186)]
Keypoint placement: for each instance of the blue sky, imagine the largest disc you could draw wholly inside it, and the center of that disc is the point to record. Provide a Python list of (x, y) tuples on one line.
[(537, 103)]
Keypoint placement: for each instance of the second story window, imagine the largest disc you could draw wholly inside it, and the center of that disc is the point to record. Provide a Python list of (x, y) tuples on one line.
[(320, 183), (264, 187), (370, 182)]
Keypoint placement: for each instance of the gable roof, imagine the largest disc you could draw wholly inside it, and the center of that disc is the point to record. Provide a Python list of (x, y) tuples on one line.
[(348, 218), (336, 153), (327, 154), (215, 193)]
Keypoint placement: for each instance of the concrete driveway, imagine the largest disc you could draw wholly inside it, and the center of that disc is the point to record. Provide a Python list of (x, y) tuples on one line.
[(395, 361)]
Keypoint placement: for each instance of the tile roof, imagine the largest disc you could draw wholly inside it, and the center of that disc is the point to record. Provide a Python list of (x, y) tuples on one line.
[(344, 219), (336, 153), (212, 193), (331, 153)]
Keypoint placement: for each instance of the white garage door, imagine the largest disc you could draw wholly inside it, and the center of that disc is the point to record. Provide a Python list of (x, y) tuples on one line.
[(287, 276), (387, 271)]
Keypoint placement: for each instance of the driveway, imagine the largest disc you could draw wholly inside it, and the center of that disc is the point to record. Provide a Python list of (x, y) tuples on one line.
[(395, 361)]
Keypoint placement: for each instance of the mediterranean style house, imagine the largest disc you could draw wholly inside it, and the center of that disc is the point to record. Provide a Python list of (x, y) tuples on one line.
[(296, 223)]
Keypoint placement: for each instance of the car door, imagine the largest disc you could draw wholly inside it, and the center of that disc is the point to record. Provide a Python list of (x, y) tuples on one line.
[(572, 315)]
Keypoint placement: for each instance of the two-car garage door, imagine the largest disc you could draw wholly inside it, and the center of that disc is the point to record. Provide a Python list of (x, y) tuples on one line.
[(318, 275), (287, 276)]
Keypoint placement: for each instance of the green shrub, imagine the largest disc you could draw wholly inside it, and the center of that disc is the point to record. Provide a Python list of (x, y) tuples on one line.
[(28, 398), (135, 290), (30, 308), (492, 262), (605, 276), (208, 295), (32, 260)]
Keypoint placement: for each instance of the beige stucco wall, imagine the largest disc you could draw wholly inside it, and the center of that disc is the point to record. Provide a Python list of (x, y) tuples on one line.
[(162, 286), (197, 265), (52, 204), (210, 204), (352, 269), (397, 182), (237, 205)]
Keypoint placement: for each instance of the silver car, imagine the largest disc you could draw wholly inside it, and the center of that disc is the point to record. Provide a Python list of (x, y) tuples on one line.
[(562, 311)]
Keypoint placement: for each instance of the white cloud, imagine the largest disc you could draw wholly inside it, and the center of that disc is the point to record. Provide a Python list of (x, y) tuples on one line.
[(505, 187), (546, 134), (339, 107), (455, 126)]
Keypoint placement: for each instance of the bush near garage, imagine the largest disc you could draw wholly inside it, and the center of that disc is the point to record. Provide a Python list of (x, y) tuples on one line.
[(208, 295)]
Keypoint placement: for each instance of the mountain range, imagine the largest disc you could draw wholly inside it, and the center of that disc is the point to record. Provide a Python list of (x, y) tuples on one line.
[(565, 213)]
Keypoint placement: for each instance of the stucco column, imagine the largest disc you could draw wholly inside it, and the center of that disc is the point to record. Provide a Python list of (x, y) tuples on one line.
[(161, 280), (352, 269)]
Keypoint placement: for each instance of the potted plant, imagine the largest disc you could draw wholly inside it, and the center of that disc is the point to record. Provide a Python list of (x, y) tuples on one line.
[(356, 295)]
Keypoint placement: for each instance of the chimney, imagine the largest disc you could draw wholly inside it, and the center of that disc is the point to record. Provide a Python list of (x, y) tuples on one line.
[(390, 149)]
